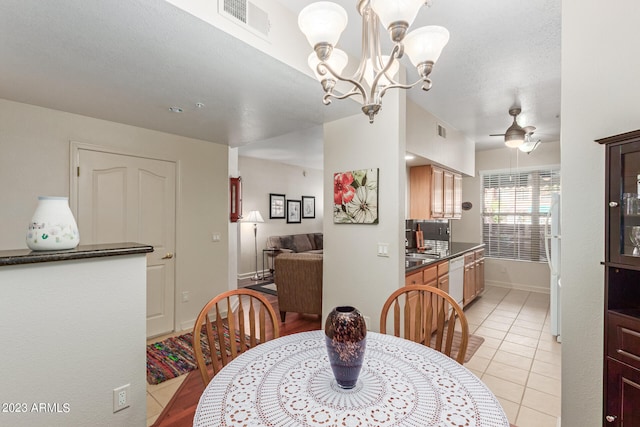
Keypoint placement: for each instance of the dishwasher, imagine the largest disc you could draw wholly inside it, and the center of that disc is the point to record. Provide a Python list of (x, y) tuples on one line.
[(456, 279)]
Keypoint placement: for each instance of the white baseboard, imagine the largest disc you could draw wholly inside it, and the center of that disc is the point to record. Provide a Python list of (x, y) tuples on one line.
[(518, 286), (249, 275)]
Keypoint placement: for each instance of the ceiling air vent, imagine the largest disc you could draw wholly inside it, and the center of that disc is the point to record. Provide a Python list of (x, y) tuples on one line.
[(247, 15), (442, 131)]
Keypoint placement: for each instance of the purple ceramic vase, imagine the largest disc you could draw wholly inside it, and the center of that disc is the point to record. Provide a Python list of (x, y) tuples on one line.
[(346, 339)]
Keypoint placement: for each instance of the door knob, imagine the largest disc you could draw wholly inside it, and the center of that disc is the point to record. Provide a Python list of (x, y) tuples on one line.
[(613, 204), (611, 418), (169, 255)]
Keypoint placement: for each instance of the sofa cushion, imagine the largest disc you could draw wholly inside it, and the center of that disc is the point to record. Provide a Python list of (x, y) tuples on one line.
[(318, 240), (301, 243), (286, 241), (308, 242)]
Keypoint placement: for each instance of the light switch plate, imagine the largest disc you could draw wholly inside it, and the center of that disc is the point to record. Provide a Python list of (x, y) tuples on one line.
[(383, 249)]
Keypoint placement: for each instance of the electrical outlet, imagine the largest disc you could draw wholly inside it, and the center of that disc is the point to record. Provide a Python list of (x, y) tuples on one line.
[(185, 296), (215, 237), (121, 397)]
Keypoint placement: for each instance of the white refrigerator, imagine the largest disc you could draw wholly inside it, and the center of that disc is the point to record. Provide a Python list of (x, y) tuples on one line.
[(552, 247)]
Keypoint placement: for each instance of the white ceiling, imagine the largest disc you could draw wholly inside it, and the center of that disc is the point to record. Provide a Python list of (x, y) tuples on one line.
[(129, 61)]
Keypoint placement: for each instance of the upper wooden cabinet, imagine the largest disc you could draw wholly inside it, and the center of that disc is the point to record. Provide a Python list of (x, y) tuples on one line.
[(435, 193)]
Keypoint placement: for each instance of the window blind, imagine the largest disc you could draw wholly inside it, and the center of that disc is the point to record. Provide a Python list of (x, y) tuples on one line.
[(514, 212)]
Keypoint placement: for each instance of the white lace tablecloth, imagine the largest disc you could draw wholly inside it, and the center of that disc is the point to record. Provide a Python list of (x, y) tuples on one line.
[(289, 382)]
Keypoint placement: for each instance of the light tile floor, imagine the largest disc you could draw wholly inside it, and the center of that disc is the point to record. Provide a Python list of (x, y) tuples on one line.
[(519, 359)]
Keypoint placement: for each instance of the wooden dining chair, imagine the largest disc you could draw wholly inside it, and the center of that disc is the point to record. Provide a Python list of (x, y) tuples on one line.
[(230, 324), (427, 315)]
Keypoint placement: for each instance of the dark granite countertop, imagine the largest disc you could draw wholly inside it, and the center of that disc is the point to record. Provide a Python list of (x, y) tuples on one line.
[(27, 256), (455, 249)]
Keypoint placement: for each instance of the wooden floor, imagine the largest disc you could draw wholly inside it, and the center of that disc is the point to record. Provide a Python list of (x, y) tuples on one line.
[(181, 408)]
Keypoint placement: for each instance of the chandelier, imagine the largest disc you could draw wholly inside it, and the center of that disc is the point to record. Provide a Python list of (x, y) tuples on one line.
[(323, 22)]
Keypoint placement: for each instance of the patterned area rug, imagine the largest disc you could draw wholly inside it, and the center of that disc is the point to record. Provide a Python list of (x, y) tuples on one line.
[(174, 357), (474, 343)]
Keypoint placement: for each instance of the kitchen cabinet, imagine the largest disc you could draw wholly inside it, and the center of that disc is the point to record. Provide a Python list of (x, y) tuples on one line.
[(621, 357), (435, 193), (436, 275), (457, 196), (413, 279), (443, 276), (469, 287), (447, 193), (479, 270)]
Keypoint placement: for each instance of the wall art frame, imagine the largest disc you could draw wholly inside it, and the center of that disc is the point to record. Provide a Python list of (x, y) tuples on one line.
[(235, 199), (276, 206), (294, 211), (355, 197), (308, 207)]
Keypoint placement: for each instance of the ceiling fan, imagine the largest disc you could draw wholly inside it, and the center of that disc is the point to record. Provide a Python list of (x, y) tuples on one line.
[(518, 136)]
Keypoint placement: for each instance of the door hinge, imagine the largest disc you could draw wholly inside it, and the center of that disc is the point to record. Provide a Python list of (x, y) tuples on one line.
[(78, 171)]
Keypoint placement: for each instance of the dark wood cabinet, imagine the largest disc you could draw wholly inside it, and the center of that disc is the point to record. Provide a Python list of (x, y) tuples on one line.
[(622, 281), (623, 395)]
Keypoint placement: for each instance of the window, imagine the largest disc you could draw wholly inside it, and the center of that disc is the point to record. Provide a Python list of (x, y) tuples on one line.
[(514, 212)]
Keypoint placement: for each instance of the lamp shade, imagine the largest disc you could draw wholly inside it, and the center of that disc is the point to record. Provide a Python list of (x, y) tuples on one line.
[(390, 11), (337, 61), (426, 44), (369, 73), (253, 217), (322, 22)]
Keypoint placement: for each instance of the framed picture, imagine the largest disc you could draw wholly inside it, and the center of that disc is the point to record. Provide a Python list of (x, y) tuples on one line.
[(308, 207), (355, 197), (293, 211), (276, 206), (235, 196)]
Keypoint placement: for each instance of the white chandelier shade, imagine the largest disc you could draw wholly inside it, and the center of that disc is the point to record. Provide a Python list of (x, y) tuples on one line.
[(323, 23), (425, 44), (390, 12)]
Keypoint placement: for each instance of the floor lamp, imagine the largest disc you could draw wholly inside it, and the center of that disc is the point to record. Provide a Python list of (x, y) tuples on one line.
[(254, 218)]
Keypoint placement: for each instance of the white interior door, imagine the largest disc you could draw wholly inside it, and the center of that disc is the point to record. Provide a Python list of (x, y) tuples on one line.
[(123, 198)]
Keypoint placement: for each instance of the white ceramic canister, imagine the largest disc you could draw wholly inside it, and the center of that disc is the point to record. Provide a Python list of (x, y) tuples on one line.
[(52, 226)]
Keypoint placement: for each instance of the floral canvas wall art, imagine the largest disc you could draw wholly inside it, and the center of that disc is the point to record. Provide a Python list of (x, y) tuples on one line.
[(355, 197)]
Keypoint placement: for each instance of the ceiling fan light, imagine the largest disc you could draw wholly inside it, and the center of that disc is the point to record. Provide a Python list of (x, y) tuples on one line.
[(425, 44), (390, 12), (322, 22), (513, 138), (337, 61), (513, 143), (528, 146)]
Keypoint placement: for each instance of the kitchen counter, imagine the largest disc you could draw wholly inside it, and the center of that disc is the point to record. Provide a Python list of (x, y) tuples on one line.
[(455, 249), (27, 256)]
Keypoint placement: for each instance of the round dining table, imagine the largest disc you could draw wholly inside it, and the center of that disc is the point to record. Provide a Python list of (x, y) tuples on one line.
[(288, 382)]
